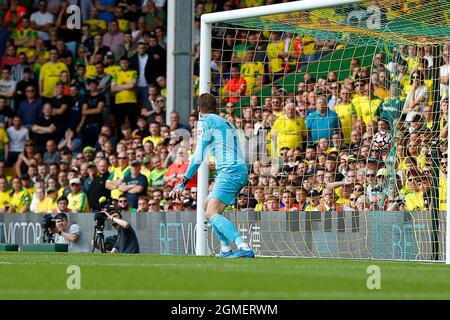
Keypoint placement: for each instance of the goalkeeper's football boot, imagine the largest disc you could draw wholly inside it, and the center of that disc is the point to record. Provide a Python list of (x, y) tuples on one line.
[(241, 253), (225, 254)]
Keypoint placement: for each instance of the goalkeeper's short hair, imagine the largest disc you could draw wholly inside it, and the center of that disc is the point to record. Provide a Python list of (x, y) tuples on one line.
[(207, 103)]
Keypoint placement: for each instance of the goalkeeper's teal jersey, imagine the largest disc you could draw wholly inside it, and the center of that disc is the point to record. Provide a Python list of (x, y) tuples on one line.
[(222, 139)]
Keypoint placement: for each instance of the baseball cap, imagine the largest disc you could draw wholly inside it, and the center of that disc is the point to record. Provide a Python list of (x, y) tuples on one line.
[(314, 193), (351, 158), (75, 180), (382, 172), (135, 163), (92, 164), (51, 189), (110, 54), (65, 161), (88, 149)]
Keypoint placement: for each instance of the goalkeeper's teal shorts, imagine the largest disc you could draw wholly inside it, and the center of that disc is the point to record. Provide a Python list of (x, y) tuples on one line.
[(227, 186)]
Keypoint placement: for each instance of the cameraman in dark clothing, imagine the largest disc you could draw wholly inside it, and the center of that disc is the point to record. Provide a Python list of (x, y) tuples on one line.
[(97, 188), (127, 241)]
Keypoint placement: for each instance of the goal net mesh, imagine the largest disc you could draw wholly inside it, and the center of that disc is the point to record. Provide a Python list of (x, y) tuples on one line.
[(342, 114)]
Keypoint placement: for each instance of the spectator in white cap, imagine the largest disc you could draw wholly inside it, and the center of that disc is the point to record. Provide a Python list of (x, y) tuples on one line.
[(78, 201)]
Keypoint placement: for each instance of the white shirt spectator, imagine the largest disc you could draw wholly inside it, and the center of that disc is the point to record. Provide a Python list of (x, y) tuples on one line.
[(8, 88), (17, 138), (444, 71), (414, 95), (42, 19), (73, 247), (142, 62)]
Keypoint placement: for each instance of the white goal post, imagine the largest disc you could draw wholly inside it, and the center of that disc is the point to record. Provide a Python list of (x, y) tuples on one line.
[(205, 75), (207, 21)]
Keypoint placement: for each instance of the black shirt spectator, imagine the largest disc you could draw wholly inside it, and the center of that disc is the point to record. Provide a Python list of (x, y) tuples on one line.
[(97, 188), (23, 84), (158, 55), (5, 110), (75, 102), (93, 101), (126, 241), (45, 128)]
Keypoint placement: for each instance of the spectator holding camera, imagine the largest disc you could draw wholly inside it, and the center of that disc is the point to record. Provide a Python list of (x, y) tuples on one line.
[(65, 233), (127, 241)]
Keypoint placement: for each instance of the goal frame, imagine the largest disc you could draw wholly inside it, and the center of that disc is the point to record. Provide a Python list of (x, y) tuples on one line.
[(207, 20)]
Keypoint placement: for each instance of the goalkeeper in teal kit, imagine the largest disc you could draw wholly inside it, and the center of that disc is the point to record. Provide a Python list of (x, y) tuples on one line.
[(222, 138)]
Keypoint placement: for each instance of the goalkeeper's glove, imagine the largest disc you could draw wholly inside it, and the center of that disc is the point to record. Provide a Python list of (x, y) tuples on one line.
[(178, 188)]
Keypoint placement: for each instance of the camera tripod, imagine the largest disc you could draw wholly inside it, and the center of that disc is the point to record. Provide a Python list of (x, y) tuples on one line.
[(47, 237), (99, 239)]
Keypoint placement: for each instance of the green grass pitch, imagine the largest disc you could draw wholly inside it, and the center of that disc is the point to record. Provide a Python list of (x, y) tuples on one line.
[(106, 276)]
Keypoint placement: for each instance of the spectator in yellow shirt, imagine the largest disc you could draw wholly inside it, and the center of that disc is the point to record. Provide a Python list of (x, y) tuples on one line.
[(414, 199), (5, 196), (78, 201), (288, 130), (42, 201), (20, 198)]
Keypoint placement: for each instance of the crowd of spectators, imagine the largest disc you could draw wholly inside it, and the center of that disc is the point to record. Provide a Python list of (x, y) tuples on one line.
[(82, 115)]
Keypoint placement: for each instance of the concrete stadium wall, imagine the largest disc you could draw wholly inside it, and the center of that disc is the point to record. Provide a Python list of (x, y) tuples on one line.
[(379, 235)]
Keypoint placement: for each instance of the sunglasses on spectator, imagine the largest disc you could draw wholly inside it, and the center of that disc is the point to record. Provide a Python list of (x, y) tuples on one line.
[(371, 175), (152, 203), (122, 158)]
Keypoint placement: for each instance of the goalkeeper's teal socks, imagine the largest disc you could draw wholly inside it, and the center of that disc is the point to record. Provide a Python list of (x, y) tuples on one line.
[(226, 231), (224, 242)]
